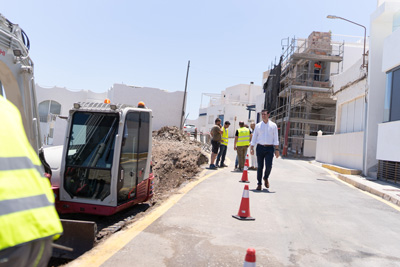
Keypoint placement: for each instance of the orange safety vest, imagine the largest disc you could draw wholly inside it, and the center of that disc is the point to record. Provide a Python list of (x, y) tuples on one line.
[(317, 66)]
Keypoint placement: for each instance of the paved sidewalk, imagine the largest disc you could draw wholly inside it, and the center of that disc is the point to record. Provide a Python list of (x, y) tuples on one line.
[(385, 190)]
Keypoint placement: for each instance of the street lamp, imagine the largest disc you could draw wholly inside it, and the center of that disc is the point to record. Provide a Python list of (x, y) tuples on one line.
[(365, 32)]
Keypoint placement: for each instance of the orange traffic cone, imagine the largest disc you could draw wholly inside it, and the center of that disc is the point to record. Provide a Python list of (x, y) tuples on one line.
[(244, 210), (250, 259), (245, 177)]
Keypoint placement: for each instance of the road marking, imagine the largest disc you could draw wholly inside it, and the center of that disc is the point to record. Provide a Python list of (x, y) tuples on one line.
[(117, 241), (365, 192)]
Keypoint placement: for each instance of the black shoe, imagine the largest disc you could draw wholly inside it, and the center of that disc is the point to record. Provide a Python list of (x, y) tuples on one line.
[(223, 165), (266, 183), (212, 167)]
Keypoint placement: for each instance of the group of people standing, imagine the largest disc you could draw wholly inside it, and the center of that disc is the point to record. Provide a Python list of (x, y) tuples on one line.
[(262, 138)]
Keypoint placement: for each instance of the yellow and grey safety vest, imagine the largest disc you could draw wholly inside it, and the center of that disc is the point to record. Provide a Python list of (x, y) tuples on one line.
[(224, 138), (27, 209), (243, 137)]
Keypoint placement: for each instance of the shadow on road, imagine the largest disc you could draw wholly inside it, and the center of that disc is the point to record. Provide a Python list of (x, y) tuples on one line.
[(262, 191)]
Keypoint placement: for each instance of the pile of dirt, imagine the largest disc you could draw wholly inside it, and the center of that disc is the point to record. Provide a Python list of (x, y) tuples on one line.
[(176, 159)]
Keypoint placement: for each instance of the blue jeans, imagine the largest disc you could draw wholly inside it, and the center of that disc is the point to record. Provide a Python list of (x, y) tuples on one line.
[(264, 154), (221, 154)]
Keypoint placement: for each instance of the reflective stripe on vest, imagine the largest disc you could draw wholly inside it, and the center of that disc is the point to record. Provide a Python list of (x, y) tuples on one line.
[(17, 163), (21, 204), (244, 137), (224, 138)]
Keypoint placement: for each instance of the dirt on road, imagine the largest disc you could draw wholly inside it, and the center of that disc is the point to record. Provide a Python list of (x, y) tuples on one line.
[(176, 159)]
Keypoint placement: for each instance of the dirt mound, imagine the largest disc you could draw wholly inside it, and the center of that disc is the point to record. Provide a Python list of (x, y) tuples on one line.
[(176, 159)]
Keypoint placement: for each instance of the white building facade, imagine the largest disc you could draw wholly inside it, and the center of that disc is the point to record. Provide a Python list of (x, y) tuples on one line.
[(387, 16), (55, 103), (368, 115), (234, 104)]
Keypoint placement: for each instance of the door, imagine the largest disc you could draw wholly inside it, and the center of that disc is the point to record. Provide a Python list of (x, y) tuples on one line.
[(134, 154)]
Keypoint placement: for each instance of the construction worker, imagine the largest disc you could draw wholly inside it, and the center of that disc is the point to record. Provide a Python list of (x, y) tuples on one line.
[(242, 142), (224, 145), (28, 218), (317, 70), (216, 134)]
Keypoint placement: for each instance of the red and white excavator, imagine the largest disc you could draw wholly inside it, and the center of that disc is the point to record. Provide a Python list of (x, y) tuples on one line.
[(104, 165)]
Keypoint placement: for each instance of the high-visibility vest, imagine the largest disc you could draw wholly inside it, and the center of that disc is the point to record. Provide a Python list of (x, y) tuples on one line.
[(27, 209), (243, 137), (224, 138)]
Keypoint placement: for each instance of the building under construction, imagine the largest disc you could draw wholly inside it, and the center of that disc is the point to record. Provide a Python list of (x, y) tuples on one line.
[(298, 91)]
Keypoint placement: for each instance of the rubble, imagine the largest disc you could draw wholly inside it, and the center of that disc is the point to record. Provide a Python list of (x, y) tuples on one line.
[(176, 159)]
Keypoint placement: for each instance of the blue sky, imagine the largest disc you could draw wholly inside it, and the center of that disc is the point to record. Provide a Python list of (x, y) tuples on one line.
[(93, 44)]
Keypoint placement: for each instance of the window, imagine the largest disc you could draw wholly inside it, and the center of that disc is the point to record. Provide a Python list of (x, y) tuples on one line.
[(134, 154), (90, 154), (211, 119), (396, 21), (392, 98), (352, 116), (386, 111), (48, 107)]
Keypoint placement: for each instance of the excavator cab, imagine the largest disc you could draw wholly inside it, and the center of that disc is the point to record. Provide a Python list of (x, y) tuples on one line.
[(106, 162)]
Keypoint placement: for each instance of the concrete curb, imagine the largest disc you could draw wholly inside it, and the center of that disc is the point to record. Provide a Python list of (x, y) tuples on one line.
[(341, 169), (387, 191)]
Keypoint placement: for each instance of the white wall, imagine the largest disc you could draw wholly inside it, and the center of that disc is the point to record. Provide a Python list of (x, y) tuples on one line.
[(310, 145), (233, 106), (352, 96), (341, 149), (166, 106), (66, 98), (391, 55), (388, 141)]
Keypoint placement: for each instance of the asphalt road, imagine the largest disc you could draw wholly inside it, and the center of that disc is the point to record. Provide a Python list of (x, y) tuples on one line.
[(307, 218)]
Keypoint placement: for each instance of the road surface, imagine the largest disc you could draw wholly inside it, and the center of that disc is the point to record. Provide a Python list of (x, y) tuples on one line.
[(308, 217)]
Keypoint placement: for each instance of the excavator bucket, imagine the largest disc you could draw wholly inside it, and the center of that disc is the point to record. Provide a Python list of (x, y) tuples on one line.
[(78, 236)]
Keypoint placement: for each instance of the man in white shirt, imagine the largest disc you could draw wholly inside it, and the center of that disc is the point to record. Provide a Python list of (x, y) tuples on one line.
[(265, 136), (253, 158)]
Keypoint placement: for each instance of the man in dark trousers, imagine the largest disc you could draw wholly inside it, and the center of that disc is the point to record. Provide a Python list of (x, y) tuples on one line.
[(265, 136), (224, 145), (216, 134)]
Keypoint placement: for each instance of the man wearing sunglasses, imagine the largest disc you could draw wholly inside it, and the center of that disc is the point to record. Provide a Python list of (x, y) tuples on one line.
[(265, 136)]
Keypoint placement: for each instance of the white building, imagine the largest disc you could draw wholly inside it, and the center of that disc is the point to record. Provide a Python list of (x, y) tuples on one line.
[(367, 110), (386, 24), (234, 104), (54, 104)]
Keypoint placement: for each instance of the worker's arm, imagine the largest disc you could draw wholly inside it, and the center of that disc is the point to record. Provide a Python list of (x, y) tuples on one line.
[(276, 142), (236, 139), (253, 139)]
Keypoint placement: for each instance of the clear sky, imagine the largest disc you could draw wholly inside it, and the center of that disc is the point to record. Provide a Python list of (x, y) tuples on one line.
[(91, 45)]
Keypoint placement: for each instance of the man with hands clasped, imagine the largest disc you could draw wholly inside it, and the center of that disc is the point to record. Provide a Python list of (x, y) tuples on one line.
[(265, 136)]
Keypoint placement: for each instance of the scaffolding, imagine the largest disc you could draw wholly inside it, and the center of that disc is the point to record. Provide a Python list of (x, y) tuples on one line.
[(303, 104)]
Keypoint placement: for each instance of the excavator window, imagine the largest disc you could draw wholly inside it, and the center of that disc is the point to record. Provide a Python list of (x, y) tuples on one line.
[(90, 154), (134, 154)]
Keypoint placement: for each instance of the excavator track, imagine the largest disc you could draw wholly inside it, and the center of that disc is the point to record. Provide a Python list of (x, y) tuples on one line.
[(82, 232)]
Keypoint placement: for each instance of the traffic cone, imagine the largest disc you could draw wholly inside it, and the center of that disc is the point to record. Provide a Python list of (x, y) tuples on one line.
[(250, 259), (245, 177), (244, 210)]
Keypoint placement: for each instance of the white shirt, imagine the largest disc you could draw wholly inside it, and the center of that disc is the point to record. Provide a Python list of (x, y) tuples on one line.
[(265, 134)]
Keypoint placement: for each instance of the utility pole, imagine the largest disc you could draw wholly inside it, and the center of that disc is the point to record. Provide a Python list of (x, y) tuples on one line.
[(184, 96)]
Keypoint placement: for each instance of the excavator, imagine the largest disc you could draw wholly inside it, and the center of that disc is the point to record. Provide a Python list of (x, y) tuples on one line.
[(104, 165)]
